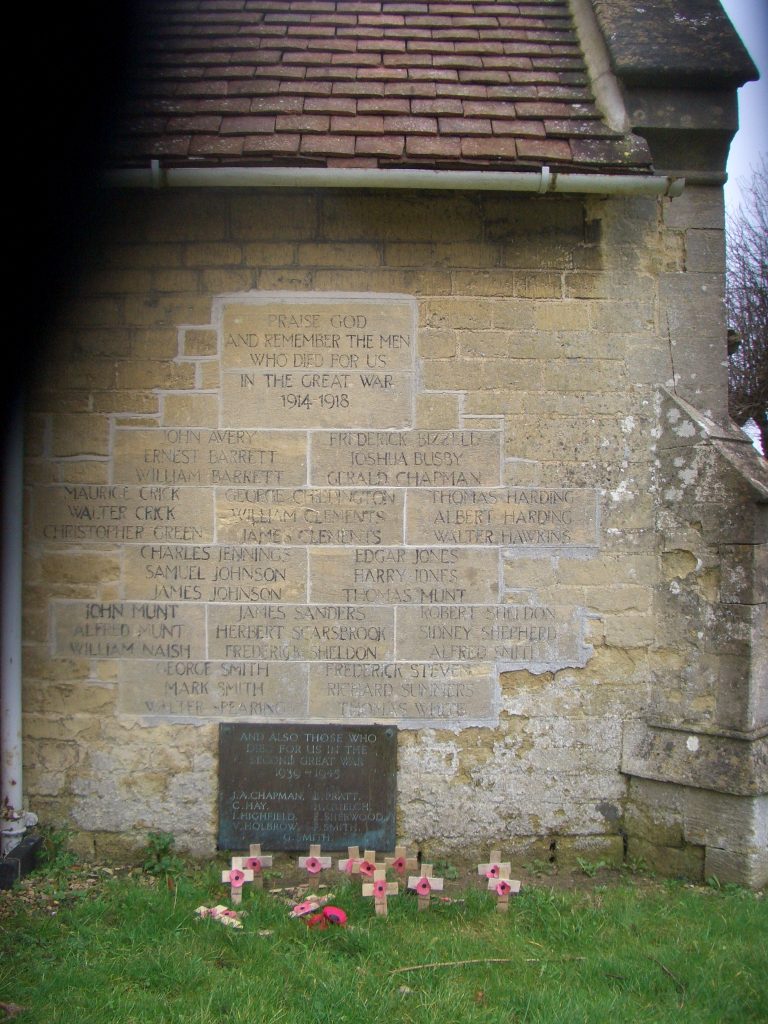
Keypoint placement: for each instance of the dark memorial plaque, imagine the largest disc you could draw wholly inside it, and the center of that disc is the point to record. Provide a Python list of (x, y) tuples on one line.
[(286, 786)]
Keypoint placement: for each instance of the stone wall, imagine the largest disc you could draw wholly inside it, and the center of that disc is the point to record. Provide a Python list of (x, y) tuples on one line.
[(547, 348)]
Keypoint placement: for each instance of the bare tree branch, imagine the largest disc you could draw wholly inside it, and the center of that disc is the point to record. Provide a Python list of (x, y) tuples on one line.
[(747, 306)]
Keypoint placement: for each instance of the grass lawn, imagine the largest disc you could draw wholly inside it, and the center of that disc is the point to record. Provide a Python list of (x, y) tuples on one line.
[(85, 945)]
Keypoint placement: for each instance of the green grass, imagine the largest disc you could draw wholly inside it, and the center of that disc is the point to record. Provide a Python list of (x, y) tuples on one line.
[(129, 952)]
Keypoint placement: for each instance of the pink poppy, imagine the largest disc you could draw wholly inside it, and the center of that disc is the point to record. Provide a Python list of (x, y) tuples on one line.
[(236, 878), (335, 915), (399, 865), (503, 888), (493, 871), (254, 864), (313, 865), (349, 865), (423, 888), (366, 868), (380, 888)]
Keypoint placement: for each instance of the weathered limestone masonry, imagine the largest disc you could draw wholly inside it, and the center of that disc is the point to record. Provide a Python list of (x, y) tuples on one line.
[(456, 461)]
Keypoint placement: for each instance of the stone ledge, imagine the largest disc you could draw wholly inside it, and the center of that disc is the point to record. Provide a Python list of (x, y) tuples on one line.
[(699, 760)]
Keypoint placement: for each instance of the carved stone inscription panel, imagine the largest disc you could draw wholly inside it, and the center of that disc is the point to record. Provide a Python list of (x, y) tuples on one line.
[(318, 555)]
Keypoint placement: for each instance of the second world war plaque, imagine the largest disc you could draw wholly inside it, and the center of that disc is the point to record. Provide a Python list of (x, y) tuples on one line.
[(287, 786)]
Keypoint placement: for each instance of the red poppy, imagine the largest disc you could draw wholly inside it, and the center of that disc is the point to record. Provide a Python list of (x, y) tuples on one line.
[(493, 871), (399, 865), (380, 888), (316, 921), (313, 865), (423, 888), (503, 888), (335, 915), (236, 878), (366, 868), (254, 864)]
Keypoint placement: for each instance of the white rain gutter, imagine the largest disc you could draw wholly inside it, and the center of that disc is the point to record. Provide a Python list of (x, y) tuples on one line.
[(13, 821), (541, 182)]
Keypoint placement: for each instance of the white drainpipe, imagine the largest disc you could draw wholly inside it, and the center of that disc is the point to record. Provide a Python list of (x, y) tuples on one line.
[(13, 820), (542, 181)]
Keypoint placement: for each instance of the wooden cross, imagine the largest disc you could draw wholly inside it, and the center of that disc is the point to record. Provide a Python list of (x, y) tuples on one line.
[(401, 863), (351, 863), (424, 885), (380, 888), (368, 865), (498, 873), (504, 888), (257, 861), (314, 863), (495, 868), (237, 875), (354, 864)]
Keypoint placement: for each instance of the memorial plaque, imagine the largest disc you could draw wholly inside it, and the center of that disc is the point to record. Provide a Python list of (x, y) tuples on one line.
[(301, 632), (308, 516), (423, 695), (318, 362), (538, 517), (213, 689), (540, 637), (120, 513), (209, 457), (406, 458), (127, 629), (215, 572), (316, 553), (400, 575), (287, 786)]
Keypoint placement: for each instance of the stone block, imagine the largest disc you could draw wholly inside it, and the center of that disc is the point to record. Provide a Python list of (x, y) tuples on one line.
[(199, 341), (668, 861), (726, 867), (160, 343), (324, 254), (210, 254), (705, 251), (629, 630), (190, 410), (274, 217), (699, 206), (437, 411), (565, 315), (75, 434)]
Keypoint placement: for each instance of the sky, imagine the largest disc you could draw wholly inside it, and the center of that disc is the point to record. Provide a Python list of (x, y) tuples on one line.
[(750, 19)]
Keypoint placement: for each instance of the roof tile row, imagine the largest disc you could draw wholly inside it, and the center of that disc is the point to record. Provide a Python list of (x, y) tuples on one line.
[(366, 83)]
